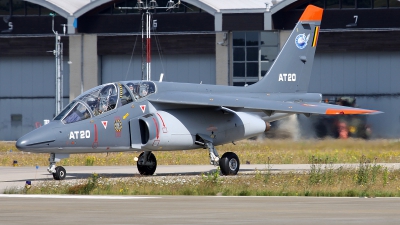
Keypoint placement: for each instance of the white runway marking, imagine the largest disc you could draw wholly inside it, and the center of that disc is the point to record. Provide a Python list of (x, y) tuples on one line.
[(75, 196)]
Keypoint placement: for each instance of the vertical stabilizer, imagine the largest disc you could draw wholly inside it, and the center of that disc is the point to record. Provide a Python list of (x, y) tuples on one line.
[(291, 70)]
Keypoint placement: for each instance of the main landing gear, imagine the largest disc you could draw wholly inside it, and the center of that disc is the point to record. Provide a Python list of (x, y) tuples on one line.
[(229, 162), (58, 172), (147, 163)]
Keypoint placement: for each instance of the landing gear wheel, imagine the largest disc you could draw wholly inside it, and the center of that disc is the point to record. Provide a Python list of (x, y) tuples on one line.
[(229, 163), (150, 165), (60, 173)]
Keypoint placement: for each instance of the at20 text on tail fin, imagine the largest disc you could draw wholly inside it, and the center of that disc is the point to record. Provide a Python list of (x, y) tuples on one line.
[(291, 70)]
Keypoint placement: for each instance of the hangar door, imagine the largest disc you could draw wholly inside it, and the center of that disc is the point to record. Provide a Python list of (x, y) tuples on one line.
[(176, 68), (356, 72), (370, 76), (27, 93)]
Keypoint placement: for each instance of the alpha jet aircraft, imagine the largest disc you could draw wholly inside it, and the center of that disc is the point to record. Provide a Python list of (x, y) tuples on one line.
[(152, 116)]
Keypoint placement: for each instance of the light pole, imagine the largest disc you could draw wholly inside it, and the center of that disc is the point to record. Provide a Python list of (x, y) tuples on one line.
[(58, 53), (145, 7)]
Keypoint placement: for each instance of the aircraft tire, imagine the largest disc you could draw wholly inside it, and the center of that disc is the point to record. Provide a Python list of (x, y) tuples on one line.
[(145, 169), (60, 173), (229, 164)]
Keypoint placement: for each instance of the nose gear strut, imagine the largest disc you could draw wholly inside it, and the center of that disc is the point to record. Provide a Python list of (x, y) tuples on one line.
[(58, 172)]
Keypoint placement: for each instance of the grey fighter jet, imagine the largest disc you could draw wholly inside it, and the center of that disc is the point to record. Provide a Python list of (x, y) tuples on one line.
[(152, 116)]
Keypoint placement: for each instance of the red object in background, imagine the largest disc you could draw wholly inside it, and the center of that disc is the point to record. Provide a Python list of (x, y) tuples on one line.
[(343, 131)]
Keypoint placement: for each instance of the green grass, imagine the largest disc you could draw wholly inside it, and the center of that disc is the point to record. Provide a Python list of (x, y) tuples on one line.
[(254, 152), (367, 180), (342, 182)]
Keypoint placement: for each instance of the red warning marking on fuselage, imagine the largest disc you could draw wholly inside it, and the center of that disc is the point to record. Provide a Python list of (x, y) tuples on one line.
[(155, 122), (104, 124), (96, 134), (143, 107), (164, 127), (96, 137), (212, 128), (156, 142), (161, 120)]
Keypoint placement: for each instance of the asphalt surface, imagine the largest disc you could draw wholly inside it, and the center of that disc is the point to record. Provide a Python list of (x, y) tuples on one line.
[(78, 209), (196, 210)]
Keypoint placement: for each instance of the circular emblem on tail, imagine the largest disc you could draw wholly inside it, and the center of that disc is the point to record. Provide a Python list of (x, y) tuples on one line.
[(301, 41)]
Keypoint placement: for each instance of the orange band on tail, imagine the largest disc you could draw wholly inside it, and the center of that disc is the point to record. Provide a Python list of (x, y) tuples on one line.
[(312, 13)]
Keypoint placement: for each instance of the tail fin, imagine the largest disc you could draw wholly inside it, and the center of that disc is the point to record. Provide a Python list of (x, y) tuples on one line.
[(291, 70)]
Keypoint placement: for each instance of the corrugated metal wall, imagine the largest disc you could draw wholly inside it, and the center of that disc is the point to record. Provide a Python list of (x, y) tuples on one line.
[(176, 68), (373, 77), (387, 124), (356, 73), (27, 84), (27, 88)]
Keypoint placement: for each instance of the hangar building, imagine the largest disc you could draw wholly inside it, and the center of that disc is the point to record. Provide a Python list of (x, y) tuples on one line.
[(226, 42)]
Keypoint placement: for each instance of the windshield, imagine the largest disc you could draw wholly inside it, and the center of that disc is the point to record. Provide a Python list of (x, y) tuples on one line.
[(105, 98), (78, 113), (66, 109)]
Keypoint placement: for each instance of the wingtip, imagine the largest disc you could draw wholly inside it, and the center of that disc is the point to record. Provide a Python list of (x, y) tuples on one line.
[(376, 112), (312, 13), (351, 112)]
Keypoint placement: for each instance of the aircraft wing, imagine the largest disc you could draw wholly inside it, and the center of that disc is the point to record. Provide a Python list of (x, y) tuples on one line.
[(268, 106)]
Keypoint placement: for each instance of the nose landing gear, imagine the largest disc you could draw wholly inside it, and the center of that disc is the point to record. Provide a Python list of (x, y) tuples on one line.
[(58, 172)]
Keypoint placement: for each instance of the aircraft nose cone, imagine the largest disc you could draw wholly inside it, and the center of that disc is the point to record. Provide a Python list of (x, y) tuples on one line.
[(33, 143), (21, 144), (36, 140), (28, 141)]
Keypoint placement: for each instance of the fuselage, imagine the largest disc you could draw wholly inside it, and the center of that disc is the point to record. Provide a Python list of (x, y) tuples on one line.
[(121, 116)]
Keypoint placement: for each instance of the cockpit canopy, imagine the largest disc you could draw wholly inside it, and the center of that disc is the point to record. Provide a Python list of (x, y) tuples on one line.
[(105, 98)]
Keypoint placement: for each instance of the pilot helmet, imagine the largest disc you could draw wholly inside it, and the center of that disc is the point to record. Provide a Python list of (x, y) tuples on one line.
[(129, 84)]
